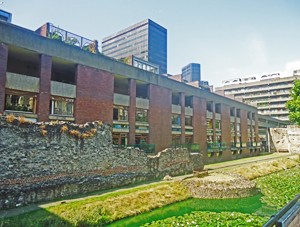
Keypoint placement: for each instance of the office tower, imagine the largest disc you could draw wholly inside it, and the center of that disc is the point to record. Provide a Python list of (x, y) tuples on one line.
[(191, 72), (146, 40)]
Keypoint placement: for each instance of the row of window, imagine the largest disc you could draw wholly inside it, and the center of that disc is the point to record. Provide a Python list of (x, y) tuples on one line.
[(27, 102)]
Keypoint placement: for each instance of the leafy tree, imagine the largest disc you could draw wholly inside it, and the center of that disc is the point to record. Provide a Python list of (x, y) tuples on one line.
[(293, 105)]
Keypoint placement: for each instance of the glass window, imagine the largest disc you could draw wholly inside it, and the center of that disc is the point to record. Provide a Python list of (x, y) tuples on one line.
[(120, 113), (238, 127), (175, 119), (188, 120), (119, 139), (62, 106), (20, 101), (209, 123), (141, 115), (218, 125), (232, 126)]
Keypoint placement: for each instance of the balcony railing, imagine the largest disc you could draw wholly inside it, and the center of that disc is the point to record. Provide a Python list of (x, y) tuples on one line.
[(148, 148), (216, 147), (192, 147), (72, 39)]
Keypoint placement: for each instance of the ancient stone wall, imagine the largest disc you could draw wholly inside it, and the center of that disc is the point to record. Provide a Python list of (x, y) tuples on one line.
[(44, 161), (286, 139)]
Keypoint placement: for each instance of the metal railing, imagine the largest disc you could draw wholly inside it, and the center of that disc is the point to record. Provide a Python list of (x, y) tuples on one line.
[(192, 147), (148, 148), (286, 215), (216, 147), (70, 38)]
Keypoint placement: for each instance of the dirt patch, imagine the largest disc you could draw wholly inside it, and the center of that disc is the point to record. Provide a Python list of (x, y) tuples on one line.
[(221, 185)]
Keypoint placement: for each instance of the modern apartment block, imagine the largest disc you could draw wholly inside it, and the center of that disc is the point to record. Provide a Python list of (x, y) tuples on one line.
[(46, 79), (146, 40), (191, 72), (269, 93)]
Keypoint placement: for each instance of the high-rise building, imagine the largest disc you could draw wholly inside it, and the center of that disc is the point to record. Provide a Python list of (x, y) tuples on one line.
[(146, 40), (191, 72), (268, 93)]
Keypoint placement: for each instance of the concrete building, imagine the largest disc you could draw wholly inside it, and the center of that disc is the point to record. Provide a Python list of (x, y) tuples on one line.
[(191, 72), (48, 80), (268, 93), (146, 40)]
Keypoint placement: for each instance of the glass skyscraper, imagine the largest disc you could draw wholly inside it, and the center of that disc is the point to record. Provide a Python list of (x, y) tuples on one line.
[(191, 72), (146, 40)]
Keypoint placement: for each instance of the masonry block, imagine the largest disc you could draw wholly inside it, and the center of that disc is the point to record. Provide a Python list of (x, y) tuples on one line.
[(3, 69), (94, 95)]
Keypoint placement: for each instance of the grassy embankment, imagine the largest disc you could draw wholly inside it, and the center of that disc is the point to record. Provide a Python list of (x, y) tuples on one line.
[(106, 209), (99, 211)]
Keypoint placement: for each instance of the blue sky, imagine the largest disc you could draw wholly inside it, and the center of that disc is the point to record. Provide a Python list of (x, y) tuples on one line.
[(229, 38)]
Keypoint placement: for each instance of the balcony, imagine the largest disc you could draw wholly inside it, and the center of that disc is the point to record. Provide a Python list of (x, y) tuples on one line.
[(176, 129), (141, 127), (216, 147), (176, 109), (192, 147), (189, 130), (210, 131), (120, 126), (148, 148), (209, 114)]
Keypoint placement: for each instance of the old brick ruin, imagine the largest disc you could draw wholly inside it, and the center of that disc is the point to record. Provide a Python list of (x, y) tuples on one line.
[(286, 139), (44, 161)]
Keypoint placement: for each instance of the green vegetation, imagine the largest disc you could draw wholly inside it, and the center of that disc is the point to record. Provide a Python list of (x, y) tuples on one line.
[(293, 105), (279, 188), (263, 168), (100, 211), (202, 218)]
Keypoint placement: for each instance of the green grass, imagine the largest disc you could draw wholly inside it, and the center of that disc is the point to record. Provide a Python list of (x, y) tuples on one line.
[(202, 218), (279, 188), (99, 211)]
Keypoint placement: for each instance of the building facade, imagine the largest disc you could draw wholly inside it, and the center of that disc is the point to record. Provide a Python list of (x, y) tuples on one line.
[(146, 40), (191, 72), (46, 80), (268, 93), (5, 16)]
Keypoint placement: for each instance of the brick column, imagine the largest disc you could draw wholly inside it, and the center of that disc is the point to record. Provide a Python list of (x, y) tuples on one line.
[(43, 105), (226, 130), (94, 95), (182, 116), (43, 30), (214, 122), (3, 69), (160, 117), (132, 110), (244, 132), (200, 123), (256, 131)]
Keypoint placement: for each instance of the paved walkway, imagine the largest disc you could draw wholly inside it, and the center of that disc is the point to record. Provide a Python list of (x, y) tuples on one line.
[(210, 168)]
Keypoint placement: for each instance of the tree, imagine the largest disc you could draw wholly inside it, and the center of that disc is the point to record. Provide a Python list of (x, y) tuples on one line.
[(293, 105)]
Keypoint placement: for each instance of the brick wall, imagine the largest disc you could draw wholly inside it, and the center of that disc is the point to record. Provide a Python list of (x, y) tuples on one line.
[(3, 65), (160, 117), (132, 110), (43, 103), (244, 132), (94, 95), (182, 116), (226, 130), (43, 30), (199, 124)]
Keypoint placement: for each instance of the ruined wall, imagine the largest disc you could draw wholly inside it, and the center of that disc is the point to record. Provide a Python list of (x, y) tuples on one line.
[(43, 161), (286, 139)]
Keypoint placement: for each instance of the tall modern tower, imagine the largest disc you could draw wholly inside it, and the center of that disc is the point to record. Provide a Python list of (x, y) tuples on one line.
[(191, 72), (146, 40)]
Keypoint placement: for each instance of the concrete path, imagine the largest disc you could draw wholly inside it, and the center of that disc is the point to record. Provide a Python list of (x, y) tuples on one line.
[(210, 168)]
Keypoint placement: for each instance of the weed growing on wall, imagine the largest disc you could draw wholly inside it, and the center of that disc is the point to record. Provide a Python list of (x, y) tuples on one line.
[(10, 118), (75, 133), (64, 128)]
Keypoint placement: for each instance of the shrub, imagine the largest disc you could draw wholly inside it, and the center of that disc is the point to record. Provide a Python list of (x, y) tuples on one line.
[(100, 123), (64, 128), (43, 126), (75, 133), (22, 120), (10, 118), (44, 132), (94, 131)]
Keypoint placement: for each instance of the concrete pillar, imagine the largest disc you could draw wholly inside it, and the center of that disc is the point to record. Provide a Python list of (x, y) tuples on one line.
[(94, 95), (132, 110), (3, 69), (182, 116), (160, 117), (43, 104)]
